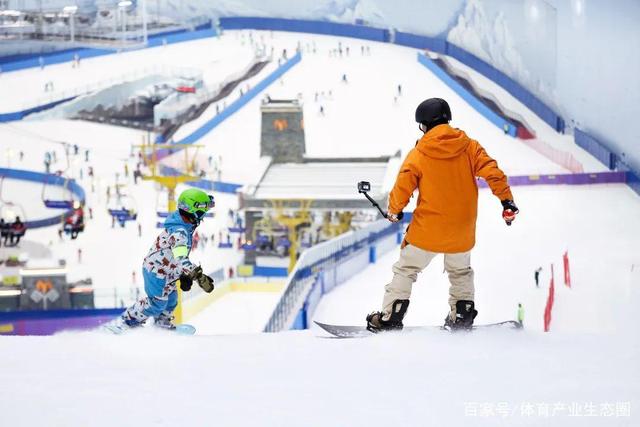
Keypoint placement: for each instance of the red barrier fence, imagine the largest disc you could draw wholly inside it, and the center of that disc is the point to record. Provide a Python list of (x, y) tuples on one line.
[(567, 273), (559, 157), (549, 307)]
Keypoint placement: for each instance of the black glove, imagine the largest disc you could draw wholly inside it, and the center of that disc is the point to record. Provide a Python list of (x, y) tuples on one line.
[(206, 283), (509, 211), (185, 283), (197, 272)]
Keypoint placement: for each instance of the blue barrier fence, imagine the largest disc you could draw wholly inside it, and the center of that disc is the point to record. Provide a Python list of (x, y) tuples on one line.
[(48, 179), (240, 102), (633, 179), (19, 115), (438, 45), (507, 83), (323, 267), (506, 126), (270, 271), (595, 147), (305, 26), (600, 151), (48, 322), (421, 42)]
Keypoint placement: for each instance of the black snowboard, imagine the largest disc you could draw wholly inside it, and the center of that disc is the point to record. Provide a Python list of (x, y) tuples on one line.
[(361, 331)]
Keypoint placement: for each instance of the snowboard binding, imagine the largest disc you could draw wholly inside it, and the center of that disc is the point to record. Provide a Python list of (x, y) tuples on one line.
[(376, 323), (465, 314)]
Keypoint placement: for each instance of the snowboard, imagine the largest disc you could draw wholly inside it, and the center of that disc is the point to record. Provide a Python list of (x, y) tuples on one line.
[(341, 331), (117, 329)]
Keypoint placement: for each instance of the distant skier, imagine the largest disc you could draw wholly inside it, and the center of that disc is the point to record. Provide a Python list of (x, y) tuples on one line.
[(168, 261), (74, 223), (16, 231), (520, 314), (4, 231), (536, 276), (443, 166)]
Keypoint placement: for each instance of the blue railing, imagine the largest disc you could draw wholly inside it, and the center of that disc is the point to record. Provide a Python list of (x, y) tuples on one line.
[(506, 126), (600, 151), (46, 179)]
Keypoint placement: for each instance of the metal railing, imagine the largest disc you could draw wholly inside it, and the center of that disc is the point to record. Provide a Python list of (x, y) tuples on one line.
[(317, 259)]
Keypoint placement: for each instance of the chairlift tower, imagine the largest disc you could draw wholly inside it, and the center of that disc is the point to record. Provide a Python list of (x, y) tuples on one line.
[(301, 216)]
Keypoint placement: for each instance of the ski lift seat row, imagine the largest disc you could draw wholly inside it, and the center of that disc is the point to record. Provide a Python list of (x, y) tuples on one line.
[(52, 203), (123, 214), (58, 204)]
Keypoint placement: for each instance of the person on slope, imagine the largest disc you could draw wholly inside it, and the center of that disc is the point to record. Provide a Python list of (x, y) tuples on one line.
[(168, 261), (443, 166)]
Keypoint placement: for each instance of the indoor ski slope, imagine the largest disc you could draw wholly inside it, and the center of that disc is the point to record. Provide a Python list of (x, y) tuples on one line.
[(487, 378)]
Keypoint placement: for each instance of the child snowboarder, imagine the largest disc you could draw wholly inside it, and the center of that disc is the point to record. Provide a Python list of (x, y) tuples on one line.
[(443, 166), (168, 261)]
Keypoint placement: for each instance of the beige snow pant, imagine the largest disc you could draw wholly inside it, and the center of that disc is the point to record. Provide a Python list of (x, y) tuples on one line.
[(413, 260)]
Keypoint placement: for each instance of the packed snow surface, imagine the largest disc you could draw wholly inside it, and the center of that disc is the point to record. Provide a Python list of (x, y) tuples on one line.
[(587, 363), (296, 378)]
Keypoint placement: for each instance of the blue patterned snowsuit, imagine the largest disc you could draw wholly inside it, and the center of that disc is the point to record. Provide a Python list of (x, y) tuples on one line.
[(165, 262)]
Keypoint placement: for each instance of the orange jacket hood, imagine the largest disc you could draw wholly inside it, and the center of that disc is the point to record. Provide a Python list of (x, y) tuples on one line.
[(443, 142)]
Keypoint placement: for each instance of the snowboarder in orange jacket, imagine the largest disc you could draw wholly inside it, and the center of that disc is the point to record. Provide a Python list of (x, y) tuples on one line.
[(443, 167)]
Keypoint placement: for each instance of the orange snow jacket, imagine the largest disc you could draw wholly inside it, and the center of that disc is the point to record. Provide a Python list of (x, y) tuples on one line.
[(443, 166)]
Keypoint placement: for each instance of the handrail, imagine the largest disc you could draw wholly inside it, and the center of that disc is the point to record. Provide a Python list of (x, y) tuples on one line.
[(318, 258)]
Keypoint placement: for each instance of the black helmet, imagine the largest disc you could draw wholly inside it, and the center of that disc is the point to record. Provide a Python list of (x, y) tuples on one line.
[(432, 112)]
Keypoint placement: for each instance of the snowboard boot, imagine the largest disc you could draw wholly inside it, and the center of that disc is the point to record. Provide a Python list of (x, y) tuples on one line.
[(164, 320), (465, 313), (376, 323), (130, 320), (125, 322)]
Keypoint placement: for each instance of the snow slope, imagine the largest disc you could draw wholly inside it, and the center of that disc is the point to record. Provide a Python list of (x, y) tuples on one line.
[(551, 220), (360, 117), (236, 313), (295, 378), (210, 56)]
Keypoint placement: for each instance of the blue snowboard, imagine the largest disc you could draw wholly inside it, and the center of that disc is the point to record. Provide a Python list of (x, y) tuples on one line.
[(118, 329)]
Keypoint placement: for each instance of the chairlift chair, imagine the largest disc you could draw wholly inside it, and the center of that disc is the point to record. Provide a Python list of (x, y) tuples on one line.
[(56, 203)]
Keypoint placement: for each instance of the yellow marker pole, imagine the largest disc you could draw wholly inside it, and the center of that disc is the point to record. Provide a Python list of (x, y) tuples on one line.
[(171, 206), (177, 313)]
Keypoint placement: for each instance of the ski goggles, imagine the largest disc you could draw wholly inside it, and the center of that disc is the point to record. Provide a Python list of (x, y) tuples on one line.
[(205, 205)]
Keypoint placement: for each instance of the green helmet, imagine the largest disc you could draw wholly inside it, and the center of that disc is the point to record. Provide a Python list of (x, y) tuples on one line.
[(195, 203)]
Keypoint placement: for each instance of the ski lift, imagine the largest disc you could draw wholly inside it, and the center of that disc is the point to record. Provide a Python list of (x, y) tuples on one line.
[(248, 246), (10, 210), (52, 203), (74, 223), (124, 208)]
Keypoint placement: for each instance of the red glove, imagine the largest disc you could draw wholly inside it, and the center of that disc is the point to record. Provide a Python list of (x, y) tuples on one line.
[(509, 211)]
